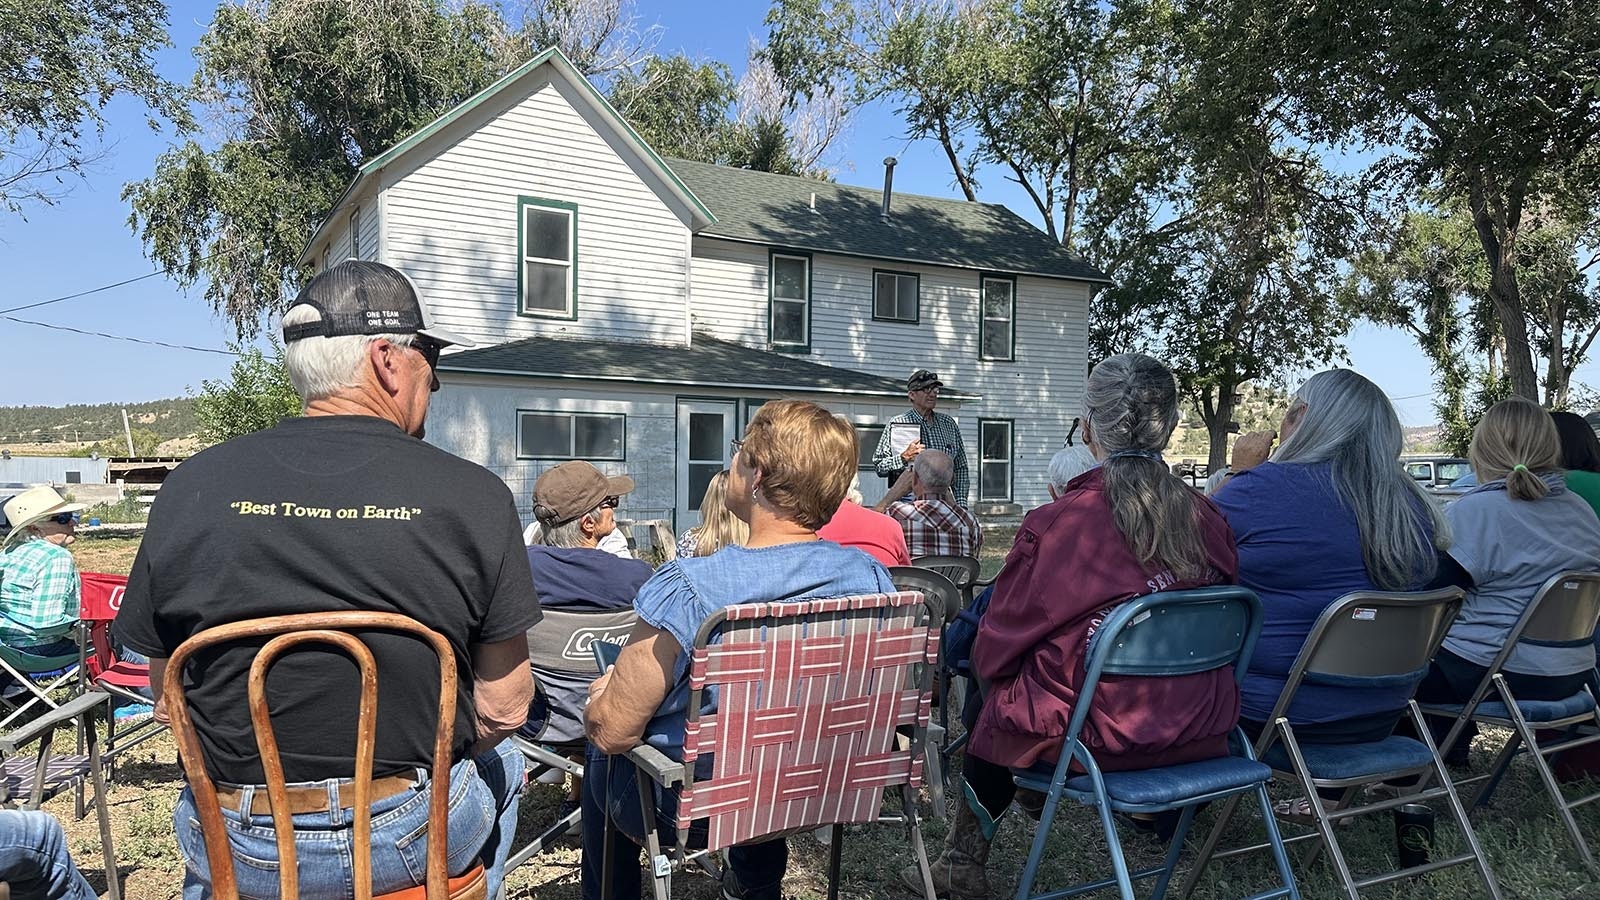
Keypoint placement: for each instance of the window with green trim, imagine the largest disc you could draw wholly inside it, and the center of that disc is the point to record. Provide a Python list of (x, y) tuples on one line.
[(547, 239), (791, 300), (997, 327), (994, 459)]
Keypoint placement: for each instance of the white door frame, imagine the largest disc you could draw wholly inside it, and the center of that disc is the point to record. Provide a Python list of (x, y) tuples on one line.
[(686, 512)]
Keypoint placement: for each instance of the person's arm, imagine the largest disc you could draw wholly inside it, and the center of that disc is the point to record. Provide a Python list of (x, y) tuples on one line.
[(158, 672), (502, 688), (884, 461), (900, 488), (624, 699), (1249, 451)]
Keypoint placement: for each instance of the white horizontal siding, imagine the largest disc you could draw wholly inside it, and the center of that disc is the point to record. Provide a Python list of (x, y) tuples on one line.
[(1041, 390), (451, 223)]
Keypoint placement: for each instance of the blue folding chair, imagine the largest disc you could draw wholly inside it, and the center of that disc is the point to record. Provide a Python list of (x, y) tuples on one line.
[(1158, 636)]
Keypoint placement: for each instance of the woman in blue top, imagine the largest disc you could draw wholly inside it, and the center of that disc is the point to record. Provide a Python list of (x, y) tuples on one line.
[(787, 477), (1332, 512)]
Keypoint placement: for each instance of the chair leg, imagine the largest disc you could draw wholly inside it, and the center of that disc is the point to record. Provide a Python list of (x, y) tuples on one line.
[(102, 811), (835, 851), (1041, 833), (1280, 854), (1324, 824), (1203, 858), (1502, 764), (1119, 862), (606, 858), (908, 803), (1173, 851), (660, 868), (1553, 787), (1456, 809)]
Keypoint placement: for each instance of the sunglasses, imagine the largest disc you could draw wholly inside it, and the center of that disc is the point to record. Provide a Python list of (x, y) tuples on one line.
[(610, 502), (64, 518), (430, 354), (737, 444), (1076, 421)]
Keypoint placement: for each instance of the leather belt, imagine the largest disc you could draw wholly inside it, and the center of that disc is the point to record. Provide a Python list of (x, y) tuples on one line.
[(312, 799)]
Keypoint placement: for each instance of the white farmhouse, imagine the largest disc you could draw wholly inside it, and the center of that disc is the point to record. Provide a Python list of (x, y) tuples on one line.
[(635, 311)]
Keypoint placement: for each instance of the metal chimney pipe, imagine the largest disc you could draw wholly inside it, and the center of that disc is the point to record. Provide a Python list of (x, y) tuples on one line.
[(888, 183)]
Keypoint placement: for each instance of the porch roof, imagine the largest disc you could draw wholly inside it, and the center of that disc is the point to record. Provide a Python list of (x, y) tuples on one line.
[(708, 362)]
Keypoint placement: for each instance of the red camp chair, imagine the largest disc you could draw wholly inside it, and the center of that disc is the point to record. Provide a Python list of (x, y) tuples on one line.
[(101, 599)]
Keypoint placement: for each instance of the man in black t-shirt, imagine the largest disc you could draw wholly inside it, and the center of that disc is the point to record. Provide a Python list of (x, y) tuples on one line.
[(345, 509)]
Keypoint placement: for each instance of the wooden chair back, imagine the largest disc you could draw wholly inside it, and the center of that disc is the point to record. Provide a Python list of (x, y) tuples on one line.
[(287, 632)]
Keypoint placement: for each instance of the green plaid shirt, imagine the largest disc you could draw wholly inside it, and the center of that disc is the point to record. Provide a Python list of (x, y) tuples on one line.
[(38, 593), (939, 432)]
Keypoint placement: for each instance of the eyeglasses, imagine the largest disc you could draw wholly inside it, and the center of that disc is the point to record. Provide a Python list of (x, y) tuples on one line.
[(430, 354), (927, 392), (610, 502), (737, 444), (64, 518), (1076, 421)]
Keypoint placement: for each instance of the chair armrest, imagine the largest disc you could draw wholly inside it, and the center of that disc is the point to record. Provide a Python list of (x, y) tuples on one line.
[(661, 768), (54, 718)]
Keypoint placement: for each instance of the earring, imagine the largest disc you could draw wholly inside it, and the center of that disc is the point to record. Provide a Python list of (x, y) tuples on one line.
[(755, 495)]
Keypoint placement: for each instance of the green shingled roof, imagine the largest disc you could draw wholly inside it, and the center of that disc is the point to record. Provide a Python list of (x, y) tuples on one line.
[(776, 210)]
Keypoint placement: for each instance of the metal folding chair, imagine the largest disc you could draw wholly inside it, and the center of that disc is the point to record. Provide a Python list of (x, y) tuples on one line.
[(1562, 614), (822, 706), (1363, 639), (29, 780), (1157, 636), (961, 570), (101, 600), (338, 629), (39, 676), (937, 587), (553, 740)]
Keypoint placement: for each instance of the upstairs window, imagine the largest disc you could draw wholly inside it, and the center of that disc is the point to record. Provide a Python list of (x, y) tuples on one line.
[(997, 327), (896, 296), (547, 245), (790, 315)]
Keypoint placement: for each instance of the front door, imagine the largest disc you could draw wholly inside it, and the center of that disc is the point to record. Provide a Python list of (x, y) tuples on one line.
[(705, 433)]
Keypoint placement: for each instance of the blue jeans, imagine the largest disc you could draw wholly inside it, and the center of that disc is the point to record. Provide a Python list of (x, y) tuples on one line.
[(34, 860), (758, 867), (483, 821)]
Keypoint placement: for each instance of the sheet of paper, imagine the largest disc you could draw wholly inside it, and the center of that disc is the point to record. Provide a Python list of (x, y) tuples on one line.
[(902, 435)]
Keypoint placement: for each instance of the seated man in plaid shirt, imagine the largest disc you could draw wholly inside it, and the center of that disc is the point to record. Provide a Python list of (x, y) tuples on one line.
[(934, 523)]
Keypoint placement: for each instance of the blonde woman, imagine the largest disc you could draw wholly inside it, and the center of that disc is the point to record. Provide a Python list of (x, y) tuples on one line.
[(1520, 526), (718, 527)]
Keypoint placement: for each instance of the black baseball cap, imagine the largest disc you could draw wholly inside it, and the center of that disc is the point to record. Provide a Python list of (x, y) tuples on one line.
[(361, 297), (921, 380)]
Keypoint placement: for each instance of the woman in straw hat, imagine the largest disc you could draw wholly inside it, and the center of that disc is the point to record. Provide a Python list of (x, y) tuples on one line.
[(38, 578)]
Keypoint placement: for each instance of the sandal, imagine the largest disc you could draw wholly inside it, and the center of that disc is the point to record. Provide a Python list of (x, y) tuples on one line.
[(1298, 810)]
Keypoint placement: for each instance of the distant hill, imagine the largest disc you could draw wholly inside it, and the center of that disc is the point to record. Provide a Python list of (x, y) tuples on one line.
[(41, 429)]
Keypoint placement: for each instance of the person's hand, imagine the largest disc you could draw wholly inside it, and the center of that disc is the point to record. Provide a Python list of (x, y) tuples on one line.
[(1252, 450), (598, 686), (911, 451)]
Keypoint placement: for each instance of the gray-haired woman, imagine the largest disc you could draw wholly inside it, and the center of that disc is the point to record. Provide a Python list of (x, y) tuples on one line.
[(1124, 529), (1331, 512)]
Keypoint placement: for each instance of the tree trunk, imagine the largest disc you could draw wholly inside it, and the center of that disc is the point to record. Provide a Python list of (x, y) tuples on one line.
[(1217, 426), (1499, 246)]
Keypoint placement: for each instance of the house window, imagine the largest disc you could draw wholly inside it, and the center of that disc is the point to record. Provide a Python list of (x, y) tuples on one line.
[(325, 251), (896, 296), (563, 435), (790, 315), (751, 407), (355, 234), (867, 436), (74, 476), (547, 246), (997, 328), (994, 459)]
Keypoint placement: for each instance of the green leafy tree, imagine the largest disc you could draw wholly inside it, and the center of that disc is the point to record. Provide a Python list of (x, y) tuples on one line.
[(257, 394), (680, 107), (1497, 104), (61, 62)]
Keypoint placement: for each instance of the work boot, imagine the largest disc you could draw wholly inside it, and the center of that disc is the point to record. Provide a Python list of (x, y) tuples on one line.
[(960, 871)]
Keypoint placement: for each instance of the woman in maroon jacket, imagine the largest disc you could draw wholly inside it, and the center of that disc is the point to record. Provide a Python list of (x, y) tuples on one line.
[(1121, 530)]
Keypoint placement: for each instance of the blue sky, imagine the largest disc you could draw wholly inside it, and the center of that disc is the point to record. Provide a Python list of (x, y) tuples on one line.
[(84, 242)]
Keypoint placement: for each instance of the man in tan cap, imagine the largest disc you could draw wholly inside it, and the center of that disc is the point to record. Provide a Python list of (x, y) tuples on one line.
[(575, 504), (38, 578)]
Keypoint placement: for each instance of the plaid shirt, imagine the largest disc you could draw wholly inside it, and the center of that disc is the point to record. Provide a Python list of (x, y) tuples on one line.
[(937, 528), (38, 593), (938, 433)]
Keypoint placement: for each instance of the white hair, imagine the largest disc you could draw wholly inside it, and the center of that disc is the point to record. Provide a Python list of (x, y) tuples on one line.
[(1216, 478), (320, 367), (854, 493), (934, 468), (570, 533), (1069, 463)]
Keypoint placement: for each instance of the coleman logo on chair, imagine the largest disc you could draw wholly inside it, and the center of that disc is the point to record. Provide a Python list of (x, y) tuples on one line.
[(578, 645)]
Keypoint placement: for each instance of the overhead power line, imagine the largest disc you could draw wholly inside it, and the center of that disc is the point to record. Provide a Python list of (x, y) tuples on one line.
[(118, 337), (107, 287)]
